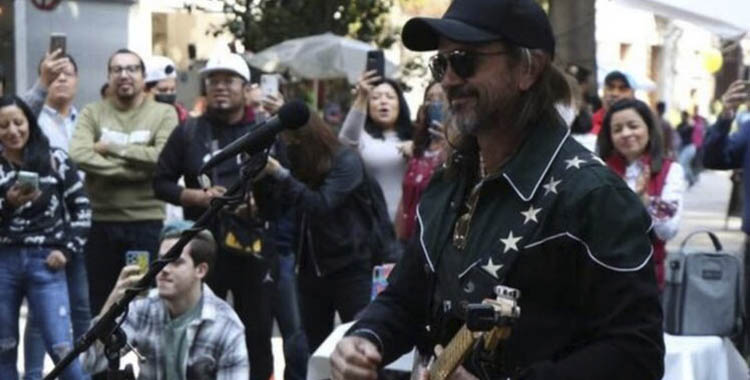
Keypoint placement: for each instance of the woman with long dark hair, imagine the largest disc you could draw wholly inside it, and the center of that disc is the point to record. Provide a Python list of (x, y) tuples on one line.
[(379, 125), (630, 143), (428, 153), (44, 218), (325, 185)]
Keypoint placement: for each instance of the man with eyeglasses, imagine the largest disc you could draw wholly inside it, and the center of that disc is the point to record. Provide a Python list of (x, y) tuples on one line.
[(244, 269), (522, 205), (116, 143)]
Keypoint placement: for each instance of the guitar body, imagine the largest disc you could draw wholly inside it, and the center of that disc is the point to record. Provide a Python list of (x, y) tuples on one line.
[(506, 309)]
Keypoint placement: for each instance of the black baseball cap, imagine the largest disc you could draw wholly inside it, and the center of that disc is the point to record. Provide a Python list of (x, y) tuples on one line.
[(520, 22)]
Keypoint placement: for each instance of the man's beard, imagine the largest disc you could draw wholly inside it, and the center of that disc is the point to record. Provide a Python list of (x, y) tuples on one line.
[(489, 107), (126, 96), (223, 111)]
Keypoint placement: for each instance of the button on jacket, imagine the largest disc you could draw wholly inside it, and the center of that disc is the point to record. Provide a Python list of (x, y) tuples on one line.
[(589, 301)]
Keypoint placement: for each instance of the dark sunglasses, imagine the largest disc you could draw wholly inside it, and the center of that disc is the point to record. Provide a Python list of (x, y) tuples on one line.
[(463, 63)]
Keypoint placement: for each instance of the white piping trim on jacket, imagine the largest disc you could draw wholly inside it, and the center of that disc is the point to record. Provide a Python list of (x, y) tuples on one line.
[(468, 269), (541, 177), (591, 255), (421, 239)]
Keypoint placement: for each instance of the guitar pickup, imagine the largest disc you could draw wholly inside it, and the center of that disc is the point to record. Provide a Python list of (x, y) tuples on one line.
[(480, 317)]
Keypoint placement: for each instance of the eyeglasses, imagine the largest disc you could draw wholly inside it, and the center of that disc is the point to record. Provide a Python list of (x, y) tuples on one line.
[(463, 63), (227, 82), (129, 69)]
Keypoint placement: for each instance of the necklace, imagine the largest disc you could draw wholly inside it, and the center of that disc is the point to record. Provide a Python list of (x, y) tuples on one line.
[(484, 173)]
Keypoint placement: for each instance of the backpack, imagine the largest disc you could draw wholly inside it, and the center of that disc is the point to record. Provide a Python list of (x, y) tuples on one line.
[(703, 290)]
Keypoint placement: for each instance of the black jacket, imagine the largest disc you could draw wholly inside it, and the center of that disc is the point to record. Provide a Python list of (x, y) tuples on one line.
[(189, 146), (333, 227), (589, 301)]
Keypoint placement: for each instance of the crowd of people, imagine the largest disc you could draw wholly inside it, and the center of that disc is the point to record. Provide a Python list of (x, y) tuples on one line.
[(507, 176)]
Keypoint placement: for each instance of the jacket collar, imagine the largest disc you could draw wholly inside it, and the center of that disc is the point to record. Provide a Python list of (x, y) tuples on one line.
[(527, 169)]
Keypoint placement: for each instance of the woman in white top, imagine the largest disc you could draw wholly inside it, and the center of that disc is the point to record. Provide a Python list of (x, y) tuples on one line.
[(630, 142), (381, 112)]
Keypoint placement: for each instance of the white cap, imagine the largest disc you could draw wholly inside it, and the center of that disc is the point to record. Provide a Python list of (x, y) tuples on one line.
[(227, 62), (160, 68)]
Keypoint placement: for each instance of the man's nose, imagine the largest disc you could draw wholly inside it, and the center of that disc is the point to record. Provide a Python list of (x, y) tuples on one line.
[(450, 78)]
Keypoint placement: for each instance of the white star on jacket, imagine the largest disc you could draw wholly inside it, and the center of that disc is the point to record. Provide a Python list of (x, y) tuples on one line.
[(491, 268), (510, 242), (551, 186), (530, 214), (574, 162)]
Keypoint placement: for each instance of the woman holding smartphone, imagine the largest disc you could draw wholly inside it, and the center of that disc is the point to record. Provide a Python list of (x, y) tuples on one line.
[(44, 217), (630, 143), (379, 125), (429, 153)]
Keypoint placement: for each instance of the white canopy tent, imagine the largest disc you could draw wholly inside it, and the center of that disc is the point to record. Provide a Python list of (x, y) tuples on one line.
[(322, 56)]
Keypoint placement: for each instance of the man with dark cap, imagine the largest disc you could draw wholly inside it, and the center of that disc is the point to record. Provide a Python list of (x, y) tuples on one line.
[(617, 85), (520, 209)]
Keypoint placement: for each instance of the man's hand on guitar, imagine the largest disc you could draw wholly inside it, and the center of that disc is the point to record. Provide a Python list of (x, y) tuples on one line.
[(355, 358), (459, 374)]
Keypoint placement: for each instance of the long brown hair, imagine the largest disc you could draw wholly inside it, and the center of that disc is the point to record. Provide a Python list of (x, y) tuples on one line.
[(534, 106), (311, 149)]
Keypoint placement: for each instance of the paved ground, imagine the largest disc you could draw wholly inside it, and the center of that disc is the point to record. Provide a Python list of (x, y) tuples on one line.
[(705, 208)]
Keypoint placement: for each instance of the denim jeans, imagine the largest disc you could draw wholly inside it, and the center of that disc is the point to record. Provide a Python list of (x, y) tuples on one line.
[(24, 273), (686, 156), (80, 314), (286, 310)]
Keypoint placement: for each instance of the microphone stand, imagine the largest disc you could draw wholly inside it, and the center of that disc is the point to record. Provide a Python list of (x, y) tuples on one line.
[(107, 329)]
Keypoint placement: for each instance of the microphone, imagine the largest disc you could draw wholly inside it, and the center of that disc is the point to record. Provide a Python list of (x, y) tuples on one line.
[(291, 115)]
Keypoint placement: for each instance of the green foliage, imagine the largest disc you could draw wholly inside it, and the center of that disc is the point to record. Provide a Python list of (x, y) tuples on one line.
[(262, 23)]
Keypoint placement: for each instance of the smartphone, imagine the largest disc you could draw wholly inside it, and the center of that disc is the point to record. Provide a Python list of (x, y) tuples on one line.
[(57, 41), (746, 73), (376, 61), (139, 258), (434, 113), (28, 181), (269, 84)]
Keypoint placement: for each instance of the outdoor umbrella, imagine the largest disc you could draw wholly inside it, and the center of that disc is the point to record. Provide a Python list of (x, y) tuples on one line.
[(323, 56)]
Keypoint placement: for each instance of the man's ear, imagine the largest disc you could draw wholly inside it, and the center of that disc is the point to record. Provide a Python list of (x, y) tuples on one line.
[(201, 270), (533, 64)]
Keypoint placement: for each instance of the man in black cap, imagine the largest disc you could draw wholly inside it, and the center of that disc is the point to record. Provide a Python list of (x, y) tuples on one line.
[(522, 205)]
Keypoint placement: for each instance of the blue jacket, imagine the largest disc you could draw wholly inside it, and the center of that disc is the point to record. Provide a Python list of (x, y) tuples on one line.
[(724, 151)]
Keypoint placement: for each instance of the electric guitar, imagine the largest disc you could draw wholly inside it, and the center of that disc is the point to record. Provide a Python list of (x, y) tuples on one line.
[(505, 308)]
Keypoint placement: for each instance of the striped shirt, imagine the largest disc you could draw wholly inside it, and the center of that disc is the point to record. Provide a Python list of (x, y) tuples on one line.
[(216, 340)]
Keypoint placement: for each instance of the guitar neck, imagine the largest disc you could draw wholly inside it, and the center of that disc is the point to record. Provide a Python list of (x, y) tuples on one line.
[(453, 354)]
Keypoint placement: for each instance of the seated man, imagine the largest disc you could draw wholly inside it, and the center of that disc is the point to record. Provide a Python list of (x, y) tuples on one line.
[(181, 328)]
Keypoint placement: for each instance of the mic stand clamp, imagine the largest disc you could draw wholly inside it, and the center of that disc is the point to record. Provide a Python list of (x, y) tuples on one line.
[(113, 346)]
